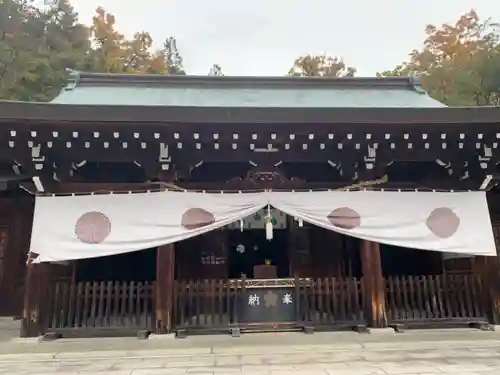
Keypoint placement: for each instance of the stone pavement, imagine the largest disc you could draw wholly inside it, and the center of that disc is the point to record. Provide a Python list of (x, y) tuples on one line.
[(457, 352)]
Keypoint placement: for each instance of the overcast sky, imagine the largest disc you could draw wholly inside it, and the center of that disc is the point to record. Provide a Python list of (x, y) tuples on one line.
[(262, 37)]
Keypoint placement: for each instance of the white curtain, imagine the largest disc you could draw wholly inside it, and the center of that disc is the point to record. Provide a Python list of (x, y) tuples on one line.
[(76, 227), (456, 223)]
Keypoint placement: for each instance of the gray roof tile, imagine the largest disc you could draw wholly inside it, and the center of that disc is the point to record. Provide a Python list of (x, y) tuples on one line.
[(279, 92)]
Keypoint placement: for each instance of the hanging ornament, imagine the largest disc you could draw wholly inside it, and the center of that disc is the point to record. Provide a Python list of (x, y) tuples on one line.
[(269, 224), (241, 225), (300, 222), (240, 248)]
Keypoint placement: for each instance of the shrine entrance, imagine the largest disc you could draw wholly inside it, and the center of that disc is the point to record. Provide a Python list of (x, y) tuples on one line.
[(251, 254), (261, 280)]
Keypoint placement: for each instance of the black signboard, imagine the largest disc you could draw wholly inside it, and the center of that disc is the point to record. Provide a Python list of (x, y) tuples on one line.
[(267, 305)]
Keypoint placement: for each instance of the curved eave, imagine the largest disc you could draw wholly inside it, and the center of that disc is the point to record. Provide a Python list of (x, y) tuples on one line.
[(49, 112)]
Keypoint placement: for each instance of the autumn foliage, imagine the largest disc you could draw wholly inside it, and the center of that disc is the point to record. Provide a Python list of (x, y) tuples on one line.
[(459, 63), (38, 45), (320, 65)]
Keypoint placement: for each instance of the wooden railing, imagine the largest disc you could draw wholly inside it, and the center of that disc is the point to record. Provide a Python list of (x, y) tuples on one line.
[(330, 301), (216, 304), (434, 297), (210, 304), (109, 305)]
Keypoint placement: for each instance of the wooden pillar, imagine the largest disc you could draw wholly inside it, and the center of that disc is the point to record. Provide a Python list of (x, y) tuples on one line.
[(488, 269), (164, 298), (36, 300), (373, 283)]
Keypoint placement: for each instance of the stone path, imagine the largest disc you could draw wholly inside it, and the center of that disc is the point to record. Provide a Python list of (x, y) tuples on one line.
[(477, 361), (326, 354)]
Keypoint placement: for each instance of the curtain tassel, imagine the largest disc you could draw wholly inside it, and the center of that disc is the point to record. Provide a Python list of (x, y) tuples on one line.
[(269, 224), (300, 222)]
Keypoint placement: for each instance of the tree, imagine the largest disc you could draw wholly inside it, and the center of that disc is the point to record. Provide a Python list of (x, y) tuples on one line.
[(320, 65), (479, 82), (137, 54), (172, 56), (458, 63), (215, 70), (36, 46), (110, 51), (115, 54), (66, 46), (167, 60), (399, 70), (19, 58)]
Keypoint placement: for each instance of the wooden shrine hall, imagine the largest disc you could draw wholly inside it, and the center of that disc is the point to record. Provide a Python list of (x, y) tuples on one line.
[(111, 140)]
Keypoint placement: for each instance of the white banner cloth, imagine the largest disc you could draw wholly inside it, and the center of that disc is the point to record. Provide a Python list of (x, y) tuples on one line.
[(76, 227), (448, 222)]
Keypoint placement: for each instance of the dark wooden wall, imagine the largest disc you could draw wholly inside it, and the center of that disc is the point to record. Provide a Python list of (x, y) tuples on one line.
[(16, 218), (317, 252), (204, 256)]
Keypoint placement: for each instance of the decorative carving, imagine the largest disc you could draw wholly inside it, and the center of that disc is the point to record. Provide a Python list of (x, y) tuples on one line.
[(267, 176), (256, 175)]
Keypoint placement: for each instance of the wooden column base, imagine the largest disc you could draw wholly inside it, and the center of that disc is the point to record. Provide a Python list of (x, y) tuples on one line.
[(373, 282), (164, 298), (35, 300), (488, 268)]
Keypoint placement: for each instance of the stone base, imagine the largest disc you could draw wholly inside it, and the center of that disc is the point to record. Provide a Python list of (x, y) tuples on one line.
[(361, 329), (483, 326), (235, 332), (382, 331), (51, 336), (143, 334), (26, 340), (166, 336), (308, 330), (181, 334)]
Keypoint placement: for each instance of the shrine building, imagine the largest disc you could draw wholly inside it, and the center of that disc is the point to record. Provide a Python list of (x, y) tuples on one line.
[(189, 204)]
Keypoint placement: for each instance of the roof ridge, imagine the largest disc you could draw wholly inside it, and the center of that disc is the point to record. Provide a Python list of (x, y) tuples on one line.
[(416, 83), (77, 78)]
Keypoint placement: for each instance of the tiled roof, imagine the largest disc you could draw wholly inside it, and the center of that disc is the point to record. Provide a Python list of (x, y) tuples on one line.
[(276, 92)]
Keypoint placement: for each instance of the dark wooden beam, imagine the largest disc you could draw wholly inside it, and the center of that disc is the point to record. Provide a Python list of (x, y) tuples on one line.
[(59, 115), (89, 187)]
